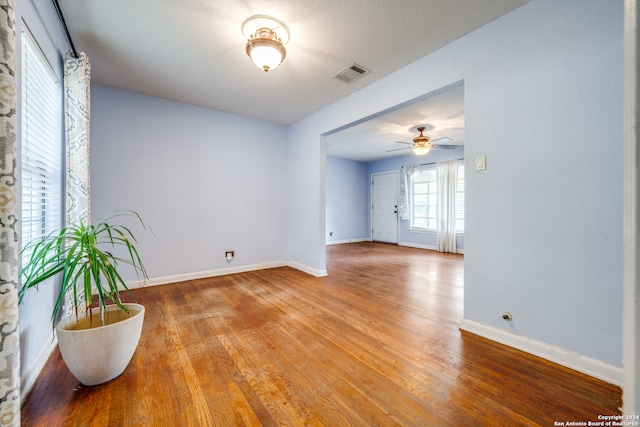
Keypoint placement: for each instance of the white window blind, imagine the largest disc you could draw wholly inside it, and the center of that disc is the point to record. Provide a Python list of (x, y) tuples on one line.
[(423, 200), (41, 144)]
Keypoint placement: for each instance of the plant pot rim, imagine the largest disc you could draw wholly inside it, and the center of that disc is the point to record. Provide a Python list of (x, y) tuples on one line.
[(63, 324)]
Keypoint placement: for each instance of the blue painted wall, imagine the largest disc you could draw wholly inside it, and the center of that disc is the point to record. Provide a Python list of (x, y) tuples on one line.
[(347, 195), (203, 184)]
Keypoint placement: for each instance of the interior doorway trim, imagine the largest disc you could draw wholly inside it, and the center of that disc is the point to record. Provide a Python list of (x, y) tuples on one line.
[(631, 292)]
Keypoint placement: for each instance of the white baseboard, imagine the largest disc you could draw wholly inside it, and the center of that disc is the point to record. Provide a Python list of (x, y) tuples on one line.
[(156, 281), (428, 247), (30, 374), (410, 245), (418, 246), (340, 242), (306, 269), (586, 365)]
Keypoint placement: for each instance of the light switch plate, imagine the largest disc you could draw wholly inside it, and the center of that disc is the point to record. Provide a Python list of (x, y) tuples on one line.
[(481, 163)]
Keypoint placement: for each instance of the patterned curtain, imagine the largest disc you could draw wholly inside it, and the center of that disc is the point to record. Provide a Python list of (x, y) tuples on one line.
[(9, 245), (77, 80)]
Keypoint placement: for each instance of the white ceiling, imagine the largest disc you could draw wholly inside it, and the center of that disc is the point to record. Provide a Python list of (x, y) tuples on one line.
[(192, 51)]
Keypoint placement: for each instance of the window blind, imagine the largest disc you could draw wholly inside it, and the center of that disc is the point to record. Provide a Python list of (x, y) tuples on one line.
[(41, 144)]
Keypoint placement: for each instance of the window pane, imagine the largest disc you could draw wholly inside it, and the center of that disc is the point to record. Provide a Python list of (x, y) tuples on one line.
[(420, 187)]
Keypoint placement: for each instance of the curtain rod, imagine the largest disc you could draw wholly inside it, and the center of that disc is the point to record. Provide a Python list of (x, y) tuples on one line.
[(64, 28), (433, 163)]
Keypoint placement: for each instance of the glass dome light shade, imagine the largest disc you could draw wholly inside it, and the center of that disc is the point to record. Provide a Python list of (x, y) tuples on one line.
[(420, 150), (267, 54)]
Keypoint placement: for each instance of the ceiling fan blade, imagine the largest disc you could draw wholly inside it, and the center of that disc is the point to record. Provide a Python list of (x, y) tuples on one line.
[(402, 142), (446, 147), (442, 140), (398, 149)]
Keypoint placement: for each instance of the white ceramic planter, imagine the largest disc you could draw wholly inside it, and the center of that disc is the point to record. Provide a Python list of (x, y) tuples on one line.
[(97, 355)]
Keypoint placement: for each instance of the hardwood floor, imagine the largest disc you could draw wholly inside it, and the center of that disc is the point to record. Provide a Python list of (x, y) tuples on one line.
[(374, 343)]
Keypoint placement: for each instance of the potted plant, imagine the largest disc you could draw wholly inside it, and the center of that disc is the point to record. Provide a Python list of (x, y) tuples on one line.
[(96, 347)]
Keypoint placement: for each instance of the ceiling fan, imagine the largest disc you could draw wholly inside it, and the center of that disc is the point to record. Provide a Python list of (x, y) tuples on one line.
[(421, 144)]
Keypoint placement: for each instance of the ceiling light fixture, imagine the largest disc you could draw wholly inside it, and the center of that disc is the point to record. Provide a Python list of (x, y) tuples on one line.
[(266, 37), (421, 144)]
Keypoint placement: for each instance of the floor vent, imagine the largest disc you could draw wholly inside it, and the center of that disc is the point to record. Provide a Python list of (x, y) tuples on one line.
[(351, 73)]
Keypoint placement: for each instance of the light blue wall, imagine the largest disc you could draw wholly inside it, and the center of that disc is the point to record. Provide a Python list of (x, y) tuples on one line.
[(543, 102), (306, 188), (347, 194), (205, 181), (544, 228), (406, 237)]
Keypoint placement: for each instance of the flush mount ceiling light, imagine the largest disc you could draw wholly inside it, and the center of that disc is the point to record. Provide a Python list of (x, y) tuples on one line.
[(266, 37), (421, 144)]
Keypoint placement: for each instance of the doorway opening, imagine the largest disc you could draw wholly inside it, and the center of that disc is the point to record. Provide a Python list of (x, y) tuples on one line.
[(365, 150)]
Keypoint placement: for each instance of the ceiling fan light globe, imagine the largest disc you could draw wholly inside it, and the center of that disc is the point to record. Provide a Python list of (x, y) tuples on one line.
[(420, 150), (267, 54)]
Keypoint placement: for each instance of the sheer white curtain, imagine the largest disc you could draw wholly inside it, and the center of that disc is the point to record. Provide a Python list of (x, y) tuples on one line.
[(405, 185), (447, 176)]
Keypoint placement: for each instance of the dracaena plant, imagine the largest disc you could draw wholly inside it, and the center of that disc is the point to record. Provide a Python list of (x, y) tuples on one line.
[(87, 257)]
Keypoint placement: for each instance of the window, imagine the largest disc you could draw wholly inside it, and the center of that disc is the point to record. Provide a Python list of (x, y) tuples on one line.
[(424, 191), (41, 146), (423, 200)]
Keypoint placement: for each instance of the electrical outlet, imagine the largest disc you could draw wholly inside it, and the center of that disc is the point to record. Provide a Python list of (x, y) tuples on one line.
[(229, 255)]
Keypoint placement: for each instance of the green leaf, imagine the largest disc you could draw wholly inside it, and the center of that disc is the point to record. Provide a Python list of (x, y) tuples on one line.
[(76, 254)]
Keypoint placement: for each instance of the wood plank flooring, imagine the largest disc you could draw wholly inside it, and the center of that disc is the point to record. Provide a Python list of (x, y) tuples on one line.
[(376, 343)]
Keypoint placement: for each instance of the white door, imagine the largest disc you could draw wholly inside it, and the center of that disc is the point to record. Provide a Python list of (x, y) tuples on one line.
[(384, 207)]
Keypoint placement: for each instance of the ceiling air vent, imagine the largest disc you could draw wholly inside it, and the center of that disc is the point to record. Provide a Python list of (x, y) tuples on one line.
[(351, 73)]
